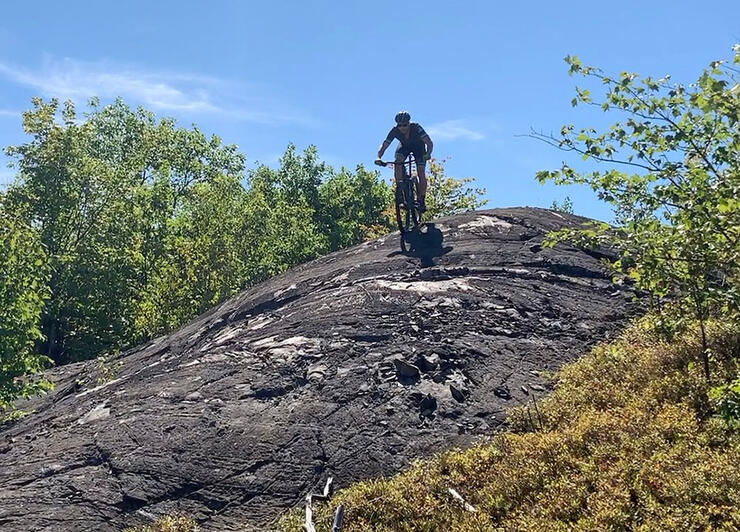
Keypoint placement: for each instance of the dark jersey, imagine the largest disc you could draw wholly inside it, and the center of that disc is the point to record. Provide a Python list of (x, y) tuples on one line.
[(416, 134)]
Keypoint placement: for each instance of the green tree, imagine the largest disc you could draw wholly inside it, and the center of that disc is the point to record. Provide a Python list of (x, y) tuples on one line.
[(102, 192), (448, 195), (200, 263), (354, 207), (566, 206), (300, 176), (304, 209), (673, 179), (23, 289), (279, 223)]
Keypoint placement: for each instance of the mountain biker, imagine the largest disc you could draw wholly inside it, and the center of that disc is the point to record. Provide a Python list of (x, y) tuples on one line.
[(414, 140)]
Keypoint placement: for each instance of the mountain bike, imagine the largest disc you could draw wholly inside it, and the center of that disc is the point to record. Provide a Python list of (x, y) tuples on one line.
[(408, 215)]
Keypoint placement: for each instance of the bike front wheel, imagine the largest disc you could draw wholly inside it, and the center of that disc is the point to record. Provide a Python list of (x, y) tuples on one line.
[(408, 216)]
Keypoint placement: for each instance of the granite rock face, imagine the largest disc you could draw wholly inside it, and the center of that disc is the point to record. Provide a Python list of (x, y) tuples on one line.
[(349, 366)]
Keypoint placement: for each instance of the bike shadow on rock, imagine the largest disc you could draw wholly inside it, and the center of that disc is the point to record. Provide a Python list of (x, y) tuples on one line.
[(426, 244)]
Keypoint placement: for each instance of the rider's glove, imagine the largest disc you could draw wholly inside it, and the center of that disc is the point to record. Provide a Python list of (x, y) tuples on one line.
[(427, 156)]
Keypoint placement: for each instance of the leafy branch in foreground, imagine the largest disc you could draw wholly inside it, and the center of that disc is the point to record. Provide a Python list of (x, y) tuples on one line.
[(673, 179)]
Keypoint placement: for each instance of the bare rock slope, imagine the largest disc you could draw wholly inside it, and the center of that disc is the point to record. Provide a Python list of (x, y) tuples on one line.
[(349, 366)]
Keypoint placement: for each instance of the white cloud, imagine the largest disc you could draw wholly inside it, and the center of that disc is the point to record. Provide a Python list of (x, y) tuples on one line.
[(9, 112), (180, 93), (71, 79), (453, 130)]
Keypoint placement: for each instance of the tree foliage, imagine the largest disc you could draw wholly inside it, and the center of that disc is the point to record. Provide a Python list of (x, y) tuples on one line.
[(673, 179), (448, 195), (23, 276), (199, 261), (565, 206), (102, 193), (354, 207), (345, 208)]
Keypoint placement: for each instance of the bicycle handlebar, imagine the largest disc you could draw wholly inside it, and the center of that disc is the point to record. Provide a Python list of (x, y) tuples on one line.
[(380, 162), (391, 163)]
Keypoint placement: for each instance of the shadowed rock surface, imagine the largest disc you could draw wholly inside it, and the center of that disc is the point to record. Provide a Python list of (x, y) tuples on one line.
[(349, 366)]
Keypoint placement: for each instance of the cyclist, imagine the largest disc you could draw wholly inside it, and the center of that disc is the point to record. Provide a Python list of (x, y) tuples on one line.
[(414, 140)]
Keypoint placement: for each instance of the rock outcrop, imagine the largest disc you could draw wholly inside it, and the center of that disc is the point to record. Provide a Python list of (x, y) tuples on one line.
[(349, 366)]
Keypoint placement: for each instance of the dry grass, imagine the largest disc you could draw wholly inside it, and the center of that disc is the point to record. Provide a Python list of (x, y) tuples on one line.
[(170, 523)]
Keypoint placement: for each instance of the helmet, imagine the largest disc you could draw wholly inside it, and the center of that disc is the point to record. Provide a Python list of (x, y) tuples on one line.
[(402, 117)]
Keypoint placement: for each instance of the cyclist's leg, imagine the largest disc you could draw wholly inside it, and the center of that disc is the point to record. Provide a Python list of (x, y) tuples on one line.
[(401, 154), (421, 172)]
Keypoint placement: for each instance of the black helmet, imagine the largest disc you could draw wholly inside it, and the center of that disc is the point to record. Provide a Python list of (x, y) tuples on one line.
[(402, 117)]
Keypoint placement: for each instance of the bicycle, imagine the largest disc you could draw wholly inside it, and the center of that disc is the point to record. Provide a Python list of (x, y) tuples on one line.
[(408, 216)]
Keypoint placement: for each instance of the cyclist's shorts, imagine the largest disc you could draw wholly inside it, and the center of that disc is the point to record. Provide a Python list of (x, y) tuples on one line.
[(417, 149)]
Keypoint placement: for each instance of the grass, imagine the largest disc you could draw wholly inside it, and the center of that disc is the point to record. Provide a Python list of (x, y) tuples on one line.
[(170, 523), (8, 416), (632, 438)]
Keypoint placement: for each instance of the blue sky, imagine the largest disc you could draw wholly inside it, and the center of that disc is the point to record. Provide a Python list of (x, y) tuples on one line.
[(475, 74)]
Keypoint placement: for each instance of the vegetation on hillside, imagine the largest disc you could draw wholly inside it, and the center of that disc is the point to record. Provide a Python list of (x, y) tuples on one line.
[(169, 523), (448, 195), (23, 274)]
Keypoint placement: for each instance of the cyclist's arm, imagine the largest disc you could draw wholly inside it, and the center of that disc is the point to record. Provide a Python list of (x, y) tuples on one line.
[(382, 149), (425, 138), (387, 142), (429, 144)]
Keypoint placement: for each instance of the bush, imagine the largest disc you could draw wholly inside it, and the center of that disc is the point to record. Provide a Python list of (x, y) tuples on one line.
[(170, 523)]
